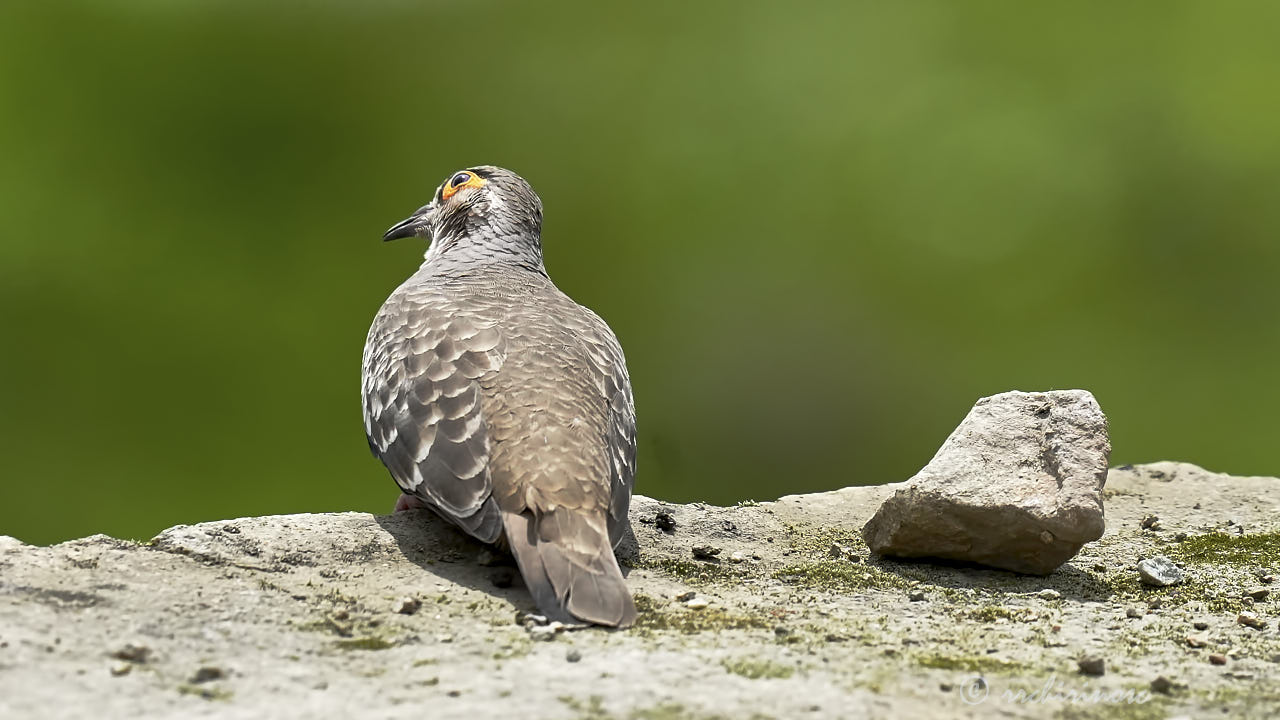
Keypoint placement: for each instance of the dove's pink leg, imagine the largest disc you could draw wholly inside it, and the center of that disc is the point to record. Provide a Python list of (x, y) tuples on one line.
[(408, 502)]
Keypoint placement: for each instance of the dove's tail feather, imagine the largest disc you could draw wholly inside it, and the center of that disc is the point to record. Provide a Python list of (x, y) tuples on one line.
[(568, 564)]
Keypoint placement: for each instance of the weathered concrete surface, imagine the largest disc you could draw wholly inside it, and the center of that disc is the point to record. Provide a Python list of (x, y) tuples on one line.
[(294, 616), (1017, 486)]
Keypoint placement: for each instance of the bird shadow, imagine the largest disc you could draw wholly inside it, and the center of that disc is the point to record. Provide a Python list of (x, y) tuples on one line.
[(1069, 580), (442, 550)]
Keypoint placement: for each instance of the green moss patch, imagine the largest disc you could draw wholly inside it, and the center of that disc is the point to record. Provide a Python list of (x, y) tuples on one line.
[(691, 571), (1259, 549), (815, 540), (207, 692), (758, 669), (822, 571), (996, 613), (840, 576), (968, 663), (364, 643), (656, 615)]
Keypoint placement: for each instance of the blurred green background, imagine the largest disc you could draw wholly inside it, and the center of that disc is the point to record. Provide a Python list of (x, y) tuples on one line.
[(821, 231)]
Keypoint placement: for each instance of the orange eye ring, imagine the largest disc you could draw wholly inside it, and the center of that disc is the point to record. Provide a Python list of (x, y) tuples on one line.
[(463, 179)]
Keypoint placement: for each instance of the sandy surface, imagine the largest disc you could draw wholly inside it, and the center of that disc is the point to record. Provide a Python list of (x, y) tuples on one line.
[(298, 616)]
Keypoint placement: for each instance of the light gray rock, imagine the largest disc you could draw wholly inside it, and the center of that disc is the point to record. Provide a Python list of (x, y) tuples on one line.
[(296, 612), (1017, 486), (1159, 571)]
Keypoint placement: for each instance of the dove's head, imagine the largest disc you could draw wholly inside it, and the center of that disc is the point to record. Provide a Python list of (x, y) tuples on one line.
[(478, 214)]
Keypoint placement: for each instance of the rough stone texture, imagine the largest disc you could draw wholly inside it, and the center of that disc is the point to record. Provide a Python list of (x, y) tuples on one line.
[(1017, 486), (1160, 571), (299, 617)]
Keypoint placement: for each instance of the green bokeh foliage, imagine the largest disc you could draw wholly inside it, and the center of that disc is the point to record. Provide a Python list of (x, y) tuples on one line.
[(821, 231)]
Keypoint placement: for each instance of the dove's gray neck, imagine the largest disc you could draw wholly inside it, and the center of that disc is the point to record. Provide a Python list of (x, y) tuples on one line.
[(483, 248)]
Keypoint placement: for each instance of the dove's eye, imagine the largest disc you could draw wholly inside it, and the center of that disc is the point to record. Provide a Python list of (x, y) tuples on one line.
[(459, 181)]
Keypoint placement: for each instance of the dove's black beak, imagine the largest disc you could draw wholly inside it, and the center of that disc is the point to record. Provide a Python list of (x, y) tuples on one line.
[(411, 226)]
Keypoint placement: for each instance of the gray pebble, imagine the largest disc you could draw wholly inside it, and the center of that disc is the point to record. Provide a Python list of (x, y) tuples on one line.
[(1092, 665), (705, 552), (573, 655), (1159, 571), (207, 674)]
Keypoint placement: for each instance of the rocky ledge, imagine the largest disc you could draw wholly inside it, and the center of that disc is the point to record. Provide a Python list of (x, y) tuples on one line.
[(772, 609)]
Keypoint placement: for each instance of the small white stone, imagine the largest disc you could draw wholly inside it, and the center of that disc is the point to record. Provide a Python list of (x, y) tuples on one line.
[(697, 603)]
